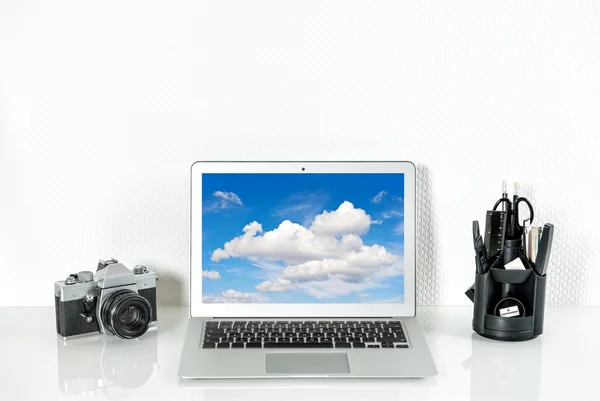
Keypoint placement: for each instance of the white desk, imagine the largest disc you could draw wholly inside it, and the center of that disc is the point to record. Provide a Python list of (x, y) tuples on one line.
[(562, 364)]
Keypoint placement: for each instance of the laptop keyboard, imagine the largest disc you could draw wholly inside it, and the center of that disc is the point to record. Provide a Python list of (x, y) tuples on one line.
[(229, 334)]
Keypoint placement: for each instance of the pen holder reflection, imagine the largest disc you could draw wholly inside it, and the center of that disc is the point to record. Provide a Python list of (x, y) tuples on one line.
[(502, 371), (109, 363)]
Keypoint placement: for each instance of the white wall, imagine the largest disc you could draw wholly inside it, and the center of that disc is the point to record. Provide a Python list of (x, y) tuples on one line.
[(104, 105)]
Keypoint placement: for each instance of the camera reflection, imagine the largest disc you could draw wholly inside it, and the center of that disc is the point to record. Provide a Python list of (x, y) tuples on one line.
[(111, 364)]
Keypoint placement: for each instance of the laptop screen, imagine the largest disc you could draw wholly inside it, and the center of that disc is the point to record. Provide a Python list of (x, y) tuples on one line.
[(303, 238)]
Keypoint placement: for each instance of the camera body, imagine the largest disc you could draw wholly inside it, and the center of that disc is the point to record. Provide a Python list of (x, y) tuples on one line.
[(115, 301)]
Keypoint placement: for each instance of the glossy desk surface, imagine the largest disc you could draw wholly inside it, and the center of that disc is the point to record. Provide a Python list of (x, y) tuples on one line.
[(562, 364)]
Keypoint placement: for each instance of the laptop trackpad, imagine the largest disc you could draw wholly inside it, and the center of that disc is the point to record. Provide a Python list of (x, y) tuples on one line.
[(307, 363)]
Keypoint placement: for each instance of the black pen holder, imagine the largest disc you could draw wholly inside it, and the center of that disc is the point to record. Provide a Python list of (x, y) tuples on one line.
[(497, 284)]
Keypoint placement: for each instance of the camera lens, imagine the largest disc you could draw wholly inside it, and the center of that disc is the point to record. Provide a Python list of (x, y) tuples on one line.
[(129, 315), (303, 169), (126, 314)]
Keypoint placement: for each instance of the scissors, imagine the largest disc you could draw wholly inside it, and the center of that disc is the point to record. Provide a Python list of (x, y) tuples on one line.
[(512, 211)]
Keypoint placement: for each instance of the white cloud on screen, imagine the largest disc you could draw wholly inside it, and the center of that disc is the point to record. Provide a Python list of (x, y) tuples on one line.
[(290, 242), (211, 274), (279, 285), (345, 220), (233, 296), (353, 266), (227, 198), (379, 197), (391, 214), (223, 200), (327, 260)]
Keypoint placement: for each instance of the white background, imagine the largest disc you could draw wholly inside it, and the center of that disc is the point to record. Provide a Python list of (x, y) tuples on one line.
[(105, 105)]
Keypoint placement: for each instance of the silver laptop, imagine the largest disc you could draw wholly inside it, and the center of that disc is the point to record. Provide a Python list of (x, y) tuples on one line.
[(303, 269)]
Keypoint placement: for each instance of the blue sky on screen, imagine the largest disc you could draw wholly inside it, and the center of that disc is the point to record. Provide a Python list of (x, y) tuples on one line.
[(302, 238)]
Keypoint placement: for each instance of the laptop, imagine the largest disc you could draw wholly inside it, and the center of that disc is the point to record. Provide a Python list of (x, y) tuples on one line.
[(303, 269)]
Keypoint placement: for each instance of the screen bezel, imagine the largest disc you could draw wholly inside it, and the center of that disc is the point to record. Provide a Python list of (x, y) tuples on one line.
[(199, 309)]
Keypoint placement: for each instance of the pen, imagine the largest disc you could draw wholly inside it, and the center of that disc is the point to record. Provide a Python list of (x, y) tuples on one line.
[(514, 218), (504, 194)]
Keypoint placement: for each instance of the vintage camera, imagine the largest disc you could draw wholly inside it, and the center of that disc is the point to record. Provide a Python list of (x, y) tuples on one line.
[(115, 301)]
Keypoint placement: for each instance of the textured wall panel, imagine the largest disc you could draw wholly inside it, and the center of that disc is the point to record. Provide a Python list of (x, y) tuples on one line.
[(104, 107)]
